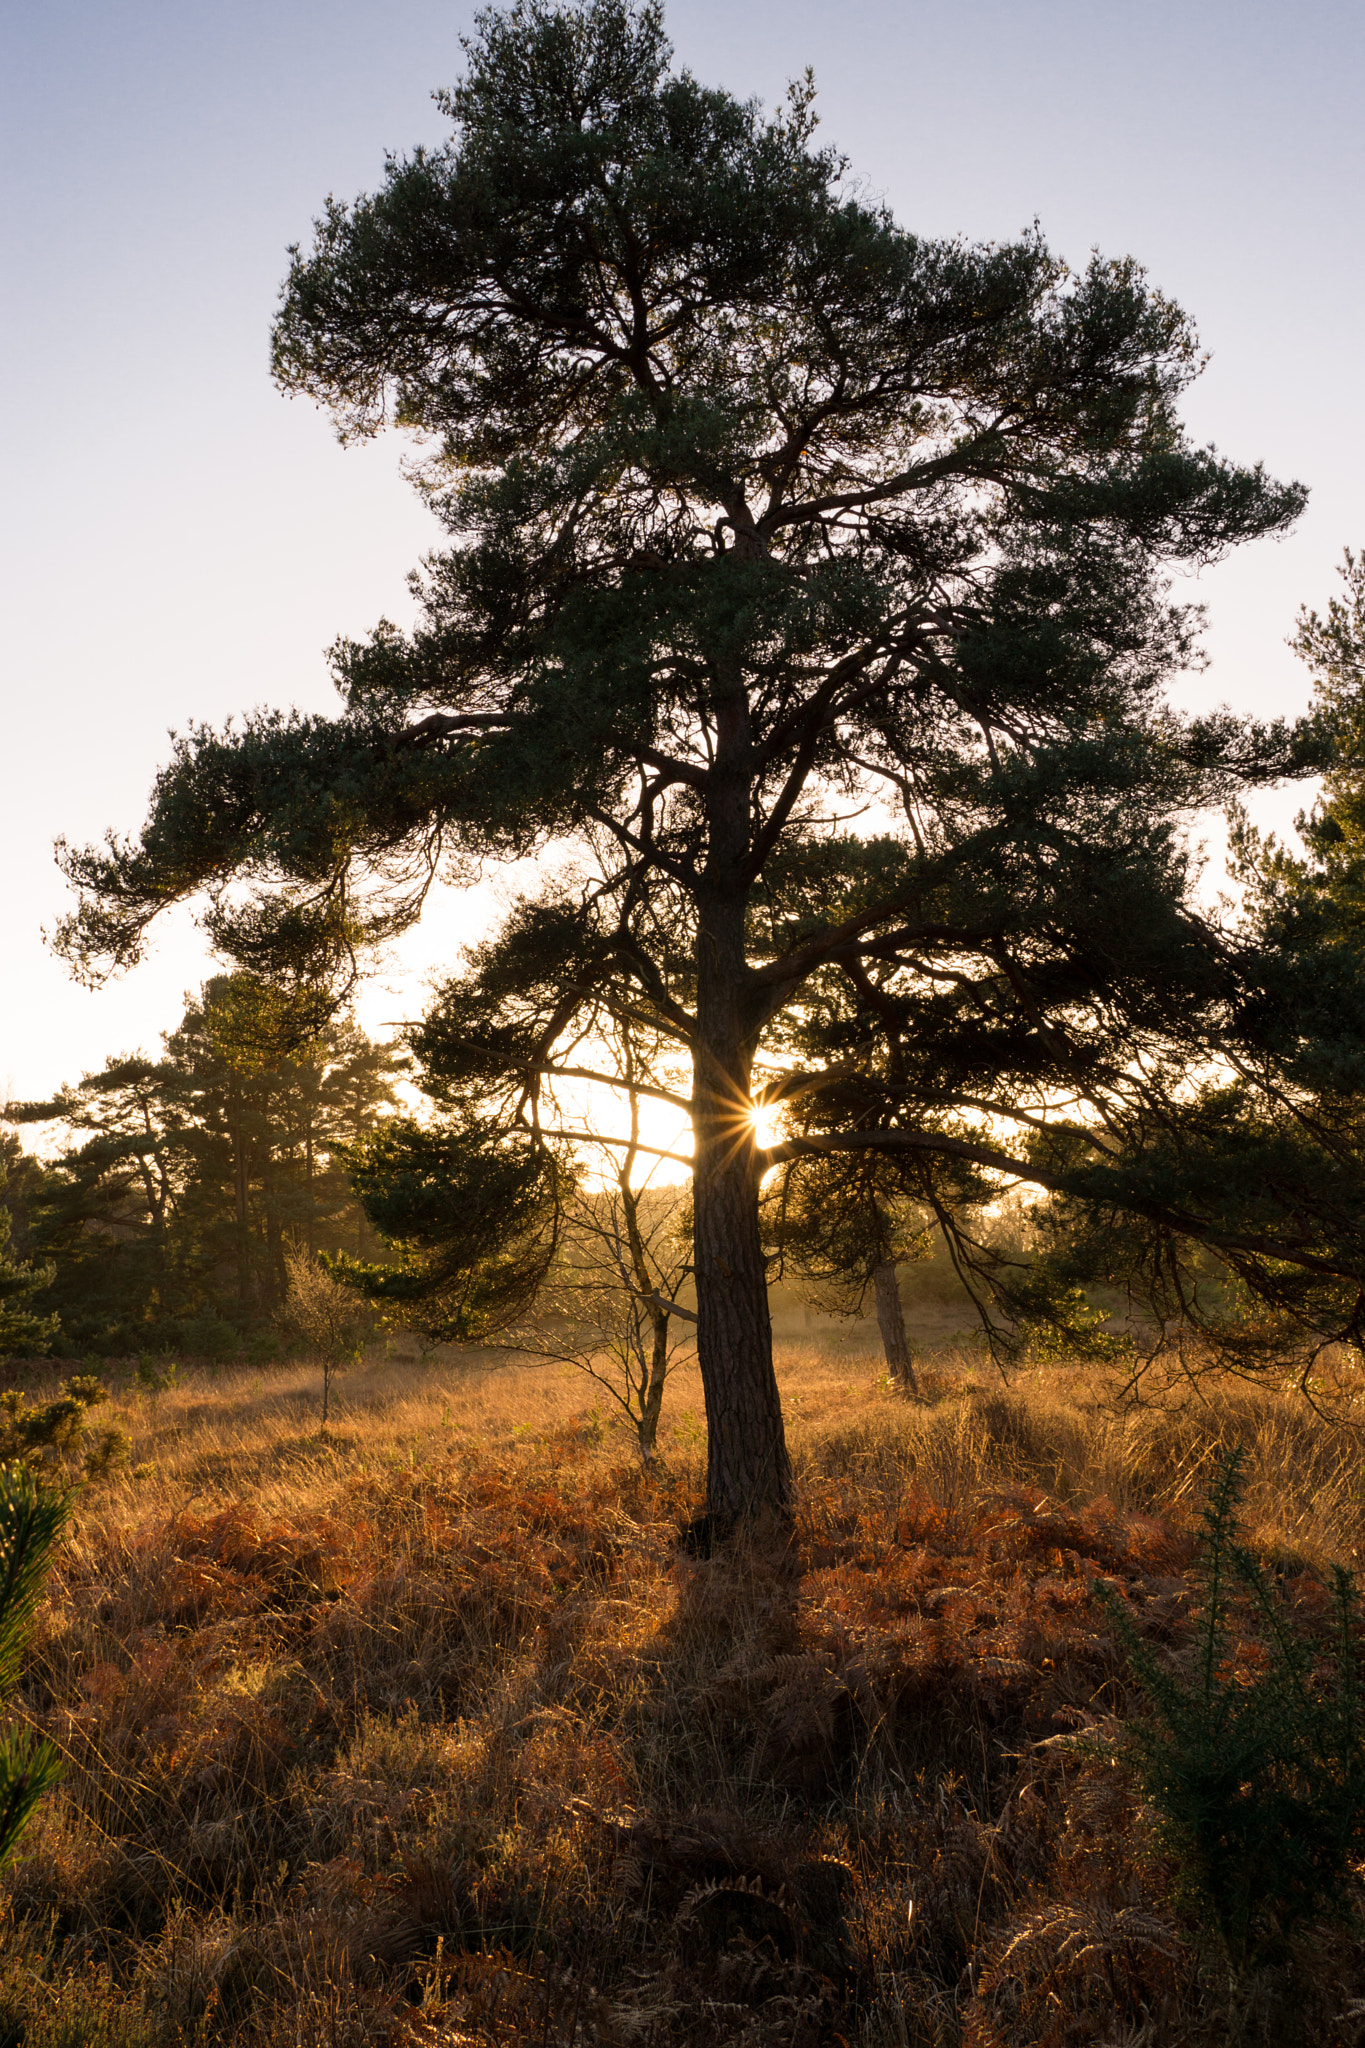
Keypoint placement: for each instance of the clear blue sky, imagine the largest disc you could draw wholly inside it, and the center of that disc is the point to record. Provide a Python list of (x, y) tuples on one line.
[(180, 542)]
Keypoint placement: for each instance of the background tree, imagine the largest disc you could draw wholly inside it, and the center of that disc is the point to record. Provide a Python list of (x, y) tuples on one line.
[(610, 1303), (184, 1178), (274, 1108), (1270, 1138), (1333, 832), (611, 1307), (841, 1226), (765, 514), (105, 1212), (23, 1333), (592, 1273), (23, 1184)]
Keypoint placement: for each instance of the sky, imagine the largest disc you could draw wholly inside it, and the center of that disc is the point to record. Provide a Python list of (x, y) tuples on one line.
[(178, 541)]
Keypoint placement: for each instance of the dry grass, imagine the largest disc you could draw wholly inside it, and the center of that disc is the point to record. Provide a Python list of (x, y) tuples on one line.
[(426, 1731)]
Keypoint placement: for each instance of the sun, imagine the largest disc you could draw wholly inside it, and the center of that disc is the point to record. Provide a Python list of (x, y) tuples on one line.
[(766, 1119)]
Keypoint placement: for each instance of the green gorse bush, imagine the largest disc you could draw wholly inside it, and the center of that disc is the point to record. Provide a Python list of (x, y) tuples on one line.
[(54, 1438)]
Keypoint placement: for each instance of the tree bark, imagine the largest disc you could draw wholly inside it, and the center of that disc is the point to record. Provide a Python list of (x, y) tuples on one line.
[(655, 1372), (277, 1273), (652, 1392), (748, 1471), (241, 1218), (891, 1322), (308, 1180)]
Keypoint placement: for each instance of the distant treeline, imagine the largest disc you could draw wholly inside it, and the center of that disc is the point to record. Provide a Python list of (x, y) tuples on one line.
[(181, 1183)]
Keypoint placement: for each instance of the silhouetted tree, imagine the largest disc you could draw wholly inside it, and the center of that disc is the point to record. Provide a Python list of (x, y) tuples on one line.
[(765, 514)]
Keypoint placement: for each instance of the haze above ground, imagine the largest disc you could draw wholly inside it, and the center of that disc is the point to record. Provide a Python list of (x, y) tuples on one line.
[(180, 542)]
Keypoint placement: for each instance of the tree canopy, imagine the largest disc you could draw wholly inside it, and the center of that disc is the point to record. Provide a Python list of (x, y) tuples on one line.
[(806, 608)]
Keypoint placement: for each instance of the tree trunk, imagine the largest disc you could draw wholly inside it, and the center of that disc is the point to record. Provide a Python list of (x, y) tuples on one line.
[(308, 1181), (274, 1231), (652, 1393), (748, 1472), (891, 1323), (655, 1372), (241, 1218)]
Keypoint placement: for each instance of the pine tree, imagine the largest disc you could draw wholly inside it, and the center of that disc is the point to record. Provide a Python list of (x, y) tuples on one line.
[(1267, 1145), (765, 516)]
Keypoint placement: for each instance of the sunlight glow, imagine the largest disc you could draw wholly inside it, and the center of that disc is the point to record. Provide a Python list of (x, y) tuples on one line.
[(767, 1121)]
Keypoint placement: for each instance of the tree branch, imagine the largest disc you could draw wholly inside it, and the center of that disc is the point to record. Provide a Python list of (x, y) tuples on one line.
[(1019, 1169)]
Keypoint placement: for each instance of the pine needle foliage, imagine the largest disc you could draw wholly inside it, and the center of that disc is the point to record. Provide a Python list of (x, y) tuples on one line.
[(31, 1519), (1254, 1755)]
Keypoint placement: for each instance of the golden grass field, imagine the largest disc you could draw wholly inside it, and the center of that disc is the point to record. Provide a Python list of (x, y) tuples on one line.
[(428, 1731)]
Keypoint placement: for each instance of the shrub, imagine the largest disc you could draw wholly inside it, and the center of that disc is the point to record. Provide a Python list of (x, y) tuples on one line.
[(207, 1335), (154, 1379), (53, 1438), (329, 1322), (1254, 1757)]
